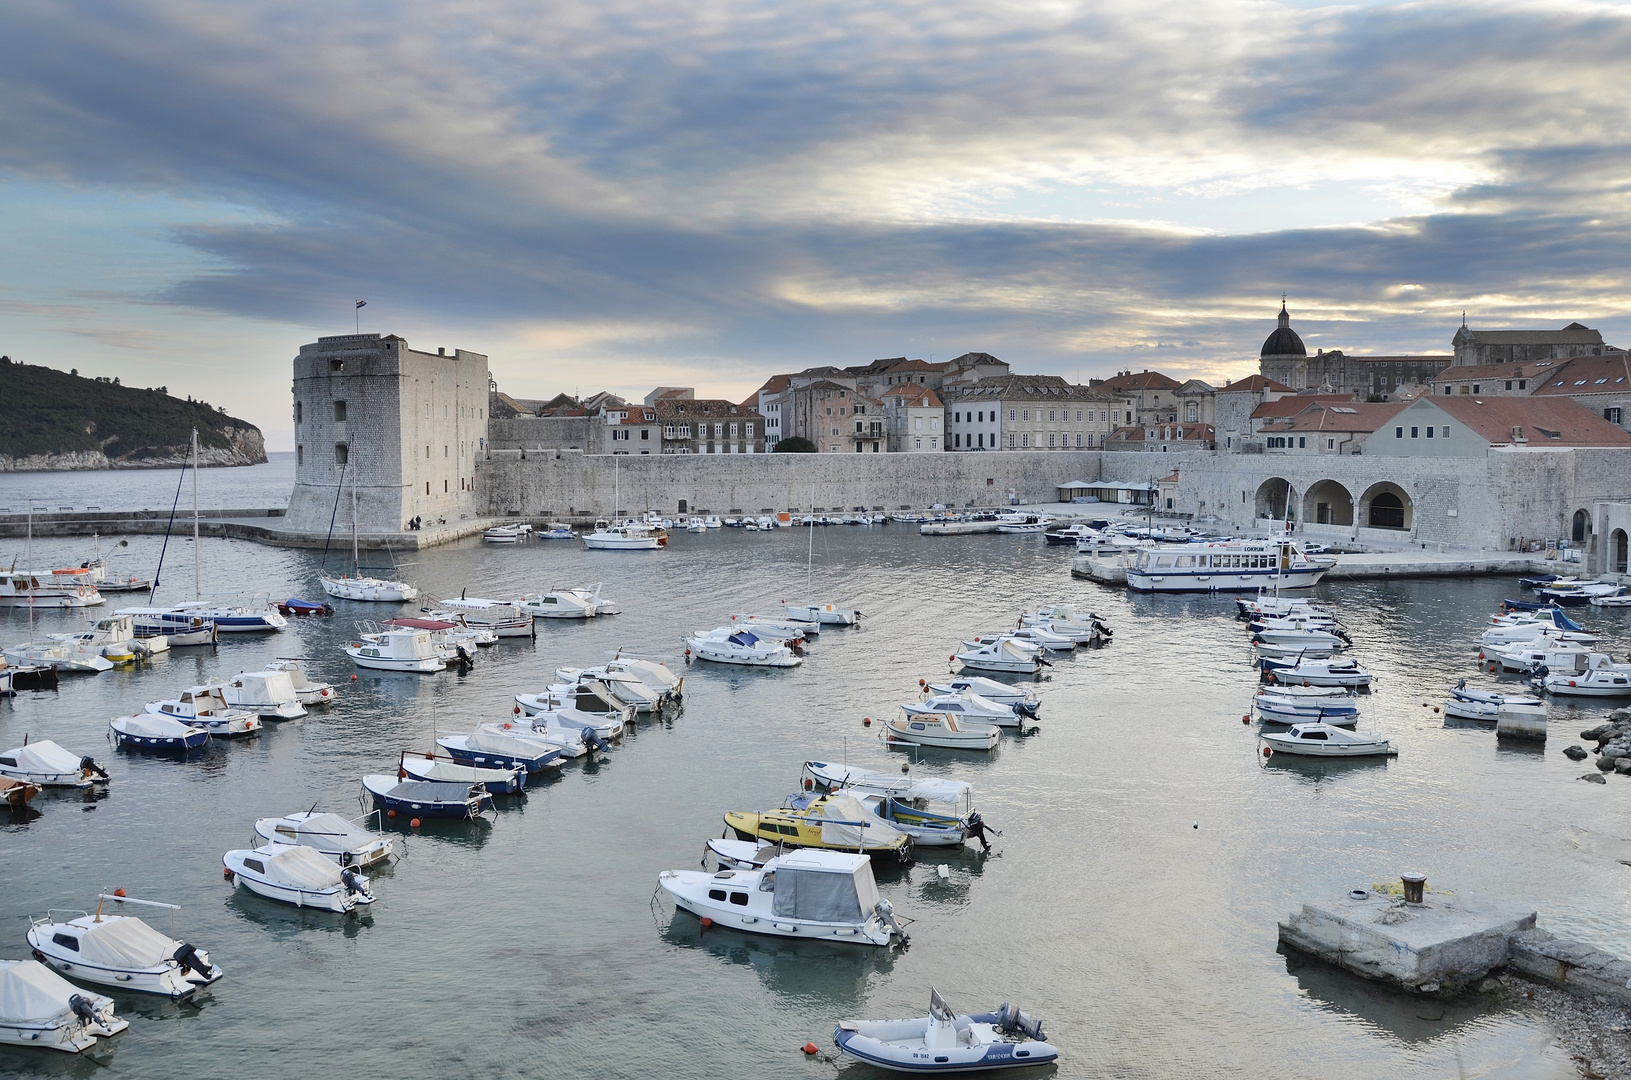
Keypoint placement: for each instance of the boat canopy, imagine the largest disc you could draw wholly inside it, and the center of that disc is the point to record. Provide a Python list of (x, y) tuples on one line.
[(125, 943), (745, 638), (431, 791), (846, 823), (495, 742), (43, 756), (153, 726), (325, 832), (823, 889), (31, 993), (300, 868)]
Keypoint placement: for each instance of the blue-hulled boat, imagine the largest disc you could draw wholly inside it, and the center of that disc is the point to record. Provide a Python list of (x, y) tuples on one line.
[(1537, 581), (490, 750), (1525, 605), (428, 798), (149, 731), (296, 606), (428, 767)]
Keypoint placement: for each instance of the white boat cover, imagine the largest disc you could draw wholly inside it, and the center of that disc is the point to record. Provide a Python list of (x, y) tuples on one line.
[(125, 942), (844, 821), (153, 726), (301, 868), (325, 832), (818, 895), (942, 791), (494, 742), (31, 993), (44, 756)]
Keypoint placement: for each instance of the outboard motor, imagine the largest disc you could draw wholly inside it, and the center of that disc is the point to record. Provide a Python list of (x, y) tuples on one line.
[(353, 886), (1101, 627), (87, 764), (188, 957), (1014, 1022), (465, 658), (977, 829), (886, 911), (1343, 634), (85, 1009), (142, 649)]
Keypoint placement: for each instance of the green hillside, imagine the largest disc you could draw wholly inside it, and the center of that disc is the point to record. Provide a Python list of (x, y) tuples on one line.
[(58, 412)]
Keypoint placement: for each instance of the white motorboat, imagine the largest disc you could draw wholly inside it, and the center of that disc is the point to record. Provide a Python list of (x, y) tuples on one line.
[(39, 1008), (208, 708), (605, 724), (951, 800), (1474, 704), (46, 764), (825, 614), (1297, 620), (1017, 698), (1534, 655), (1325, 740), (342, 842), (944, 1042), (942, 730), (654, 674), (115, 637), (1005, 654), (26, 589), (1592, 675), (65, 656), (299, 875), (445, 799), (741, 646), (1621, 600), (1316, 672), (122, 951), (1084, 627), (1309, 639), (966, 706), (791, 634), (494, 746), (1276, 708), (269, 694), (631, 536), (591, 594), (1533, 631), (1038, 634), (177, 629), (256, 617), (625, 687), (1016, 522), (1260, 606), (500, 616), (925, 830), (1229, 566), (1300, 690), (150, 731), (306, 690), (809, 893), (430, 767), (555, 530), (712, 521), (454, 641), (397, 650), (507, 534), (1029, 647), (565, 604), (1292, 652)]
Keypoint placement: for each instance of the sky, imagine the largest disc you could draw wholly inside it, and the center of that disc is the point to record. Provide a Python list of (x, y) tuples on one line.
[(627, 193)]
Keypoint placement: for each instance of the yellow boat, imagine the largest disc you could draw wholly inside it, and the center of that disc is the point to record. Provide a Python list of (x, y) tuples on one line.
[(837, 821)]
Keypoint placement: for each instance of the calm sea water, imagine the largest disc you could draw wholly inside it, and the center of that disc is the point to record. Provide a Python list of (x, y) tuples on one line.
[(245, 488), (530, 945)]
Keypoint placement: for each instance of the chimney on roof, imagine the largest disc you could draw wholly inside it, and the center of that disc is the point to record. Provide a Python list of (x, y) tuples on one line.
[(1517, 434)]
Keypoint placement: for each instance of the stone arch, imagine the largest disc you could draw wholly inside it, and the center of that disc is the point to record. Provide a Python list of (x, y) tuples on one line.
[(1581, 531), (1386, 506), (1273, 497), (1328, 503), (1617, 552)]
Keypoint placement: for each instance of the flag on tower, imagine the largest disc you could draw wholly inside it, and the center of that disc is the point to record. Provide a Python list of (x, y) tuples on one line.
[(362, 303)]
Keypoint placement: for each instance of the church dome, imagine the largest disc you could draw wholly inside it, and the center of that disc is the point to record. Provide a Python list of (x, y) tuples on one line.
[(1284, 341)]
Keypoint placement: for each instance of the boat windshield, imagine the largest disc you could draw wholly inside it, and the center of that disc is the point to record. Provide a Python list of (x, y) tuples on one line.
[(816, 895)]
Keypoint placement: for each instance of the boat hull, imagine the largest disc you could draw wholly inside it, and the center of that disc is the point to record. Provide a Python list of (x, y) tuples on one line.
[(1225, 581), (688, 889), (336, 899), (168, 980), (192, 740), (488, 759), (369, 590)]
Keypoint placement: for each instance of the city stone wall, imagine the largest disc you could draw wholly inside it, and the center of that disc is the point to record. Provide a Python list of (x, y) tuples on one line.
[(565, 483), (547, 433)]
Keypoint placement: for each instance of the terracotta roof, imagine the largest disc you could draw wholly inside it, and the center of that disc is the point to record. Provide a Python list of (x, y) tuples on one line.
[(1256, 384), (1534, 369), (1572, 334), (1034, 388), (1190, 433), (917, 365), (1141, 380), (1610, 374), (1545, 421), (1352, 416), (1173, 479), (914, 395), (1296, 403), (691, 408)]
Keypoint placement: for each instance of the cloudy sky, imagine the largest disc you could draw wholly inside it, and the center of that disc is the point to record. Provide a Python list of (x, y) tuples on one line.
[(630, 192)]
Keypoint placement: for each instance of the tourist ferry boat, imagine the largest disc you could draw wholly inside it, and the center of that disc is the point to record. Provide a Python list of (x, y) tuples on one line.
[(1228, 566)]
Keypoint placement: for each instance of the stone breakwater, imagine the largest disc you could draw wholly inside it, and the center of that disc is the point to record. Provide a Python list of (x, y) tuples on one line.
[(246, 447), (1613, 750)]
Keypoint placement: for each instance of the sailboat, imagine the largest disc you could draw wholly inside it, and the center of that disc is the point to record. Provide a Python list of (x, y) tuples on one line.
[(355, 586), (811, 611)]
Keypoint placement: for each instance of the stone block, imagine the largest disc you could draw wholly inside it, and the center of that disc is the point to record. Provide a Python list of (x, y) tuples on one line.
[(1577, 968), (1440, 946)]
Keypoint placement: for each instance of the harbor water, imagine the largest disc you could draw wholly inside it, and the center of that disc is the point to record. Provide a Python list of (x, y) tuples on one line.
[(1146, 850)]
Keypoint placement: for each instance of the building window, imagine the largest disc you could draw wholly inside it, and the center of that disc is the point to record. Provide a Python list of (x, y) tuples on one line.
[(1446, 431), (298, 410), (444, 487), (1050, 438), (685, 431), (339, 412), (1413, 432), (1050, 416), (1445, 389), (1010, 414), (747, 429), (445, 454), (1398, 433), (733, 431), (1010, 440), (719, 431), (342, 453), (1509, 384), (1475, 388), (300, 455), (1025, 439), (1330, 444), (1027, 414), (1078, 440), (1078, 416), (1612, 415), (668, 431), (427, 487), (645, 434), (1523, 384), (1430, 430), (917, 444)]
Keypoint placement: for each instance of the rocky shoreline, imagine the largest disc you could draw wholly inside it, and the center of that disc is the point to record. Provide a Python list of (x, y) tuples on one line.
[(1613, 750), (247, 448), (1596, 1032)]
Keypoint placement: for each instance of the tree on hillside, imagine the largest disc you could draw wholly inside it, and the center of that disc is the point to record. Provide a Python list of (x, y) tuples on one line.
[(795, 444)]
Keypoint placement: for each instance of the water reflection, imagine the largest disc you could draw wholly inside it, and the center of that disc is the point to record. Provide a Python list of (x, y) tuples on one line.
[(1404, 1017), (1312, 770), (827, 971), (287, 921)]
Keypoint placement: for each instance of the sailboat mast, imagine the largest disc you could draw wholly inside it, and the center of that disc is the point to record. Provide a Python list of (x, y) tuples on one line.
[(809, 558), (31, 534), (198, 573), (355, 570)]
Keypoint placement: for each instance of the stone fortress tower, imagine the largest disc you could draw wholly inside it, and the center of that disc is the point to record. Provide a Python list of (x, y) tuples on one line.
[(407, 427)]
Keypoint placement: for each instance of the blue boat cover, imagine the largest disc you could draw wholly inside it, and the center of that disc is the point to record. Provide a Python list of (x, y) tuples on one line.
[(745, 638)]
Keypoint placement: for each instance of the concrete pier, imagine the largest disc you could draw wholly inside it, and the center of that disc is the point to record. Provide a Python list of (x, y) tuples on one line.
[(1441, 945)]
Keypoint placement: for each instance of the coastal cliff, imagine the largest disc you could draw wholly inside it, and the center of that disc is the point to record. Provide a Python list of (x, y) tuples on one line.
[(62, 422)]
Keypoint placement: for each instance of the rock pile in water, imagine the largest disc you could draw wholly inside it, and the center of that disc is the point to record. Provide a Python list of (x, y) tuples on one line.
[(1613, 741)]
